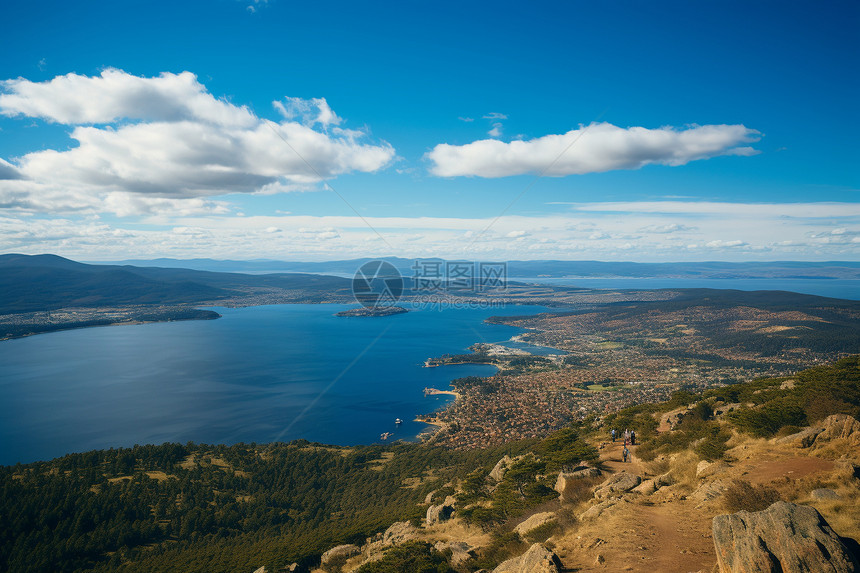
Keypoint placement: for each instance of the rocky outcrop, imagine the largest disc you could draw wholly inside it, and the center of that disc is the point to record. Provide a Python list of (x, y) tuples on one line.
[(824, 493), (723, 409), (438, 513), (839, 427), (598, 509), (649, 486), (707, 469), (804, 438), (835, 427), (708, 491), (399, 532), (501, 467), (538, 559), (337, 556), (620, 483), (784, 538), (461, 551), (534, 522)]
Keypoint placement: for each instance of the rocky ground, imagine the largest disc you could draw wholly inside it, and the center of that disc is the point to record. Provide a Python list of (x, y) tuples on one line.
[(672, 514)]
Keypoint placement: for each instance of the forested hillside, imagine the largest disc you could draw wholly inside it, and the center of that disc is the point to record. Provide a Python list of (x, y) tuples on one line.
[(192, 507)]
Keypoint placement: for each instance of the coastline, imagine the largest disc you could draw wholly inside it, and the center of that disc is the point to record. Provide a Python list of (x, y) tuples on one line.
[(490, 350), (89, 318)]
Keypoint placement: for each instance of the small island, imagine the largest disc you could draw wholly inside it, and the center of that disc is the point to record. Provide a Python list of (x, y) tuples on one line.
[(376, 311)]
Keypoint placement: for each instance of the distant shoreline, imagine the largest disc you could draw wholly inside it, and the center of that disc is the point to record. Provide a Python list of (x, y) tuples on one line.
[(92, 317)]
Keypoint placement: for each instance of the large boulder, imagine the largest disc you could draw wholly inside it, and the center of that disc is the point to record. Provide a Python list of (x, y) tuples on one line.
[(647, 487), (598, 509), (399, 532), (839, 426), (835, 427), (707, 469), (784, 538), (804, 438), (708, 491), (534, 522), (337, 556), (439, 513), (824, 493), (615, 485), (501, 467), (538, 559)]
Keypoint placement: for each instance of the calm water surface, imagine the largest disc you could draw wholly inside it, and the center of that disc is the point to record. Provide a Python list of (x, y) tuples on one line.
[(255, 375), (260, 374)]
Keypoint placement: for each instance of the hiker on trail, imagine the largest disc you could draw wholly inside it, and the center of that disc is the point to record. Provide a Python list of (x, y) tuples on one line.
[(625, 455), (613, 435), (632, 438)]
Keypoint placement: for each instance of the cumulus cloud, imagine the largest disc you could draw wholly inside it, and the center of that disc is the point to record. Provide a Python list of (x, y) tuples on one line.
[(168, 138), (666, 229), (721, 244), (75, 99), (595, 148), (8, 171), (309, 112), (736, 210)]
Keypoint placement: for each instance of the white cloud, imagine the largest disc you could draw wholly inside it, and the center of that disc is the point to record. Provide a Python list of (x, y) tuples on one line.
[(196, 229), (496, 131), (666, 229), (75, 99), (495, 115), (8, 171), (309, 112), (169, 138), (595, 148), (719, 243), (744, 210)]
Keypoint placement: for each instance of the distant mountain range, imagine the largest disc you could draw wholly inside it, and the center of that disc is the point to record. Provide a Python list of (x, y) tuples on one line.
[(31, 283), (548, 268)]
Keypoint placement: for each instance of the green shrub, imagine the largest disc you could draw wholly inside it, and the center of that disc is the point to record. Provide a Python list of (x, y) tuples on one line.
[(503, 545), (767, 419), (411, 557), (713, 446), (542, 532)]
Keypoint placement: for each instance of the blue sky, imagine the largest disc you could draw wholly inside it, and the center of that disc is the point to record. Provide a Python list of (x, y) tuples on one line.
[(613, 131)]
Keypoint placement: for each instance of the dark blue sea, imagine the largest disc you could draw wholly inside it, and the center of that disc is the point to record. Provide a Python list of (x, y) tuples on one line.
[(260, 374), (257, 374)]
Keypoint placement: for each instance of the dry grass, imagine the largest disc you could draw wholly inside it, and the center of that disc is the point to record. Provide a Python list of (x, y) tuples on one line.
[(682, 468), (743, 496)]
